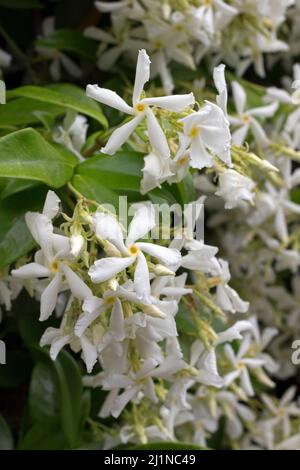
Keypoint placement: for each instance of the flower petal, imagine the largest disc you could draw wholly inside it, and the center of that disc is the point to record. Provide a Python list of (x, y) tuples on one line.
[(120, 135), (49, 297), (142, 75), (141, 279), (174, 103), (31, 271), (108, 97), (78, 288), (107, 227), (106, 268), (157, 137), (168, 256), (51, 205), (142, 222)]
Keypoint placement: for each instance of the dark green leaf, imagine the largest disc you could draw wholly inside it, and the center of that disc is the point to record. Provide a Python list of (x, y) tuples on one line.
[(26, 154), (64, 95), (25, 111), (43, 436), (43, 393), (15, 238), (70, 40)]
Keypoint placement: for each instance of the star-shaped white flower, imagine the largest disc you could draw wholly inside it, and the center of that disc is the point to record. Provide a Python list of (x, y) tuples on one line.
[(140, 109), (107, 228)]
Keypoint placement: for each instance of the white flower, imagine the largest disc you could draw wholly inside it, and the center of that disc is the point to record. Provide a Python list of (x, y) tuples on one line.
[(226, 297), (140, 109), (206, 134), (58, 59), (235, 188), (241, 363), (130, 252), (156, 170), (52, 260), (5, 59), (72, 134), (247, 119)]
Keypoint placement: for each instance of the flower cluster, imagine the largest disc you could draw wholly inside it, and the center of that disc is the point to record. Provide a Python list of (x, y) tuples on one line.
[(238, 32)]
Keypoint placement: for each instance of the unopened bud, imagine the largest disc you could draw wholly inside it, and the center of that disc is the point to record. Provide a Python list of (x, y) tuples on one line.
[(76, 242)]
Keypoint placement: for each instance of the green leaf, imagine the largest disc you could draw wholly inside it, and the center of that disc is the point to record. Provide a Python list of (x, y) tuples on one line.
[(64, 95), (25, 111), (26, 154), (15, 238), (20, 4), (103, 178), (13, 186), (43, 393), (71, 392), (6, 439), (120, 172), (168, 446), (43, 436), (70, 40)]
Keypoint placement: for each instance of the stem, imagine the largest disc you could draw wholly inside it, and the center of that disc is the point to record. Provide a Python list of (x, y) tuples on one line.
[(19, 54)]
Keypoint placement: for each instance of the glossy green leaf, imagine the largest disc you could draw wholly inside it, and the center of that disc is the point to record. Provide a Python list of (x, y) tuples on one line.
[(26, 154), (71, 392), (25, 111), (15, 238), (43, 436), (14, 186), (70, 40), (6, 439), (64, 95), (43, 393)]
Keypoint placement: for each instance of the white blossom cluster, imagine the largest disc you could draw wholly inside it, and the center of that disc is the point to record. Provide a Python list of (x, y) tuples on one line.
[(238, 32), (161, 325)]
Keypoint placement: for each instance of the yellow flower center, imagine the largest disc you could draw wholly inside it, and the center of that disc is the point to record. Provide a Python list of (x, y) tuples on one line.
[(140, 107), (183, 160), (194, 132), (133, 250), (54, 266), (246, 119)]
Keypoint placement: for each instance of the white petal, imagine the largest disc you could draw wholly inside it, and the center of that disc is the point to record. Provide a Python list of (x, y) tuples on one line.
[(120, 135), (259, 133), (239, 136), (70, 66), (107, 227), (220, 83), (157, 137), (142, 75), (89, 353), (49, 297), (246, 383), (264, 111), (57, 345), (166, 255), (175, 103), (88, 316), (108, 97), (116, 323), (31, 271), (239, 97), (142, 222), (234, 332), (141, 279), (51, 205), (78, 288), (106, 268)]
